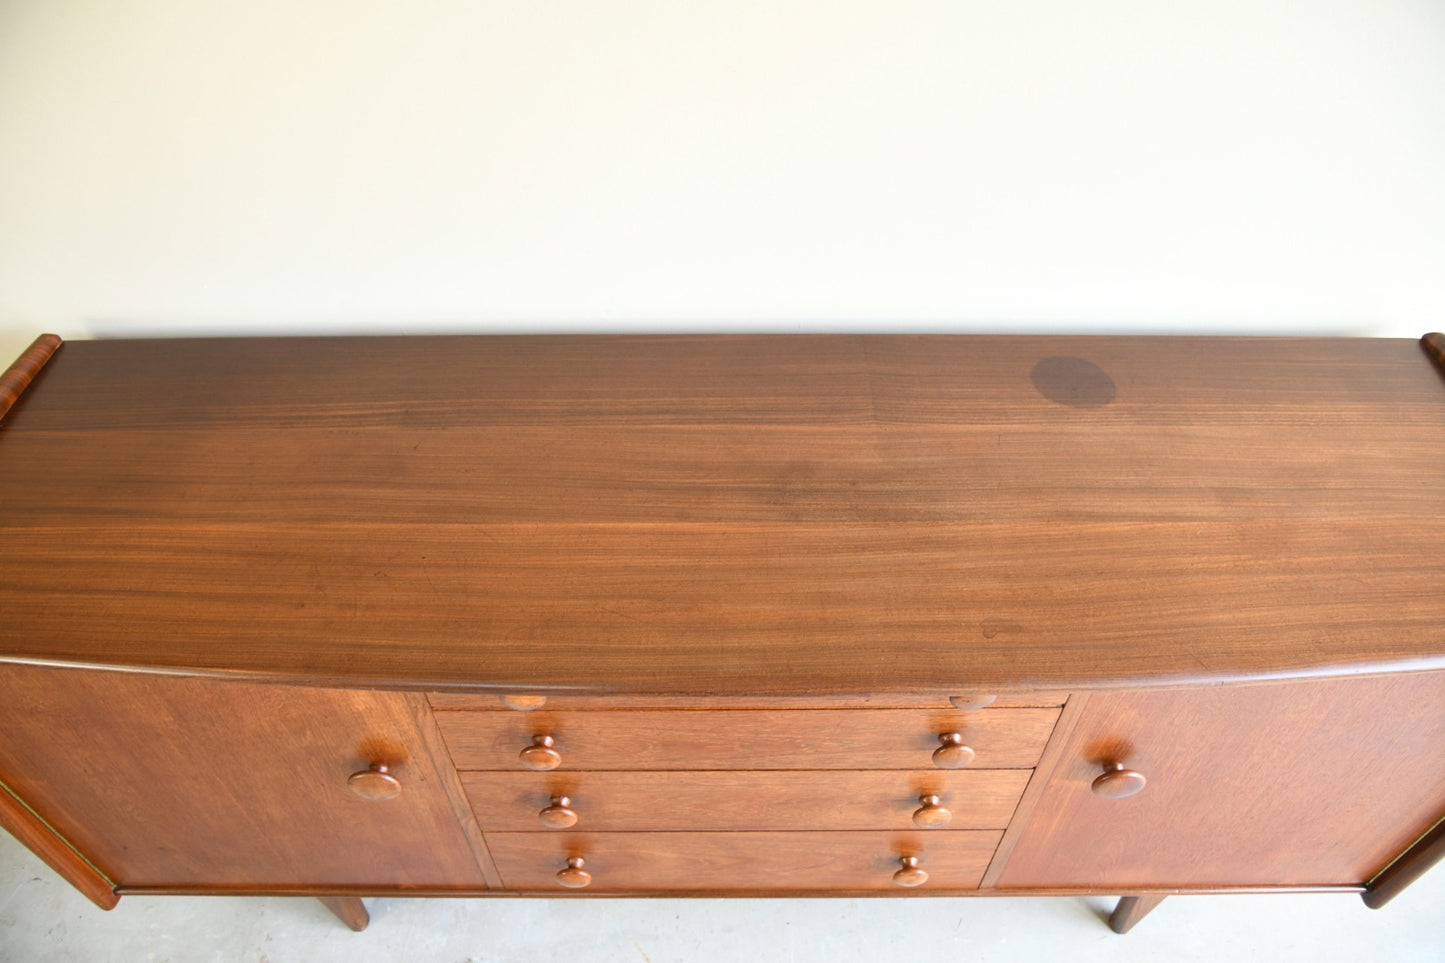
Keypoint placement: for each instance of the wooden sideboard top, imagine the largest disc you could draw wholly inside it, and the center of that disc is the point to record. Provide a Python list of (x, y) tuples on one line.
[(750, 515)]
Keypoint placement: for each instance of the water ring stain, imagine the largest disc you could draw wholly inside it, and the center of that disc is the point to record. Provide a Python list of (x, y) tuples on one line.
[(1073, 381)]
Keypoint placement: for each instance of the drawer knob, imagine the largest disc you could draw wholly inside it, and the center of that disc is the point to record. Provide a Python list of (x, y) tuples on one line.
[(559, 815), (523, 703), (910, 873), (1118, 782), (375, 783), (951, 752), (541, 755), (574, 876), (931, 813)]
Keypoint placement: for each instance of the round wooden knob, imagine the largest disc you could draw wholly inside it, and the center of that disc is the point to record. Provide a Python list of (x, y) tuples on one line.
[(931, 814), (911, 874), (375, 783), (559, 815), (540, 755), (523, 703), (951, 752), (1118, 782), (574, 876)]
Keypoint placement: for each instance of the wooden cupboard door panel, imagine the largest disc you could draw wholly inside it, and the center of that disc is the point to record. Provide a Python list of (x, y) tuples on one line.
[(751, 862), (165, 781), (675, 801), (1308, 783), (747, 738)]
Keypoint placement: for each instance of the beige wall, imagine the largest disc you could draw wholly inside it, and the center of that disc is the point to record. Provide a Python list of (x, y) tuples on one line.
[(616, 164)]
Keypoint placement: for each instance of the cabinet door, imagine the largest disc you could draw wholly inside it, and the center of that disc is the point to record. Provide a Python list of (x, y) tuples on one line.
[(190, 783), (1311, 783)]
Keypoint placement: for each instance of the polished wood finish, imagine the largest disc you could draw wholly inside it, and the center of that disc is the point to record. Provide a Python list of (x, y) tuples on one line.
[(1069, 717), (746, 739), (1427, 851), (910, 872), (1298, 783), (745, 604), (375, 783), (714, 515), (952, 752), (727, 800), (894, 700), (349, 910), (21, 822), (432, 744), (541, 755), (558, 814), (931, 812), (1131, 910), (748, 862), (170, 781), (1433, 345), (574, 875), (24, 370), (1117, 782)]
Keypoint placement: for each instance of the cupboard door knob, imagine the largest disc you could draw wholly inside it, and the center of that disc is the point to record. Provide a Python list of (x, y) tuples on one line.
[(931, 814), (375, 783), (911, 874), (559, 815), (523, 703), (540, 755), (574, 876), (951, 752), (1118, 782)]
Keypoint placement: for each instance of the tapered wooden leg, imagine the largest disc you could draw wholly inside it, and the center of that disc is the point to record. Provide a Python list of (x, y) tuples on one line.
[(1132, 909), (348, 909)]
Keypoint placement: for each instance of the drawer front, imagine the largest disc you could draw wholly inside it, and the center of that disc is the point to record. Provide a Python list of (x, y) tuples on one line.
[(759, 862), (812, 800), (746, 738)]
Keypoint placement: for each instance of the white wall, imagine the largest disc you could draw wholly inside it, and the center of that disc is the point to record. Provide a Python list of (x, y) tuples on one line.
[(1036, 165)]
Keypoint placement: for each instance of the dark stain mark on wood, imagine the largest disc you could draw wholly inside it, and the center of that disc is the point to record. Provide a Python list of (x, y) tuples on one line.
[(1073, 381)]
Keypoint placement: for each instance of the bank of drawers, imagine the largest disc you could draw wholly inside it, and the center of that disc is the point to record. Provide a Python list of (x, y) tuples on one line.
[(720, 799)]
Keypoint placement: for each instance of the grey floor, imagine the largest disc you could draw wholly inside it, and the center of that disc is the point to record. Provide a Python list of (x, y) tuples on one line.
[(42, 919)]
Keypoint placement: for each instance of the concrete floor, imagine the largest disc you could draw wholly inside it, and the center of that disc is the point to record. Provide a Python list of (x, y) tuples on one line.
[(43, 919)]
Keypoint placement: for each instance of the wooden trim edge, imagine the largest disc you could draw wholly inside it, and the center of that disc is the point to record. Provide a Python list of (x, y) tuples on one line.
[(1064, 726), (38, 836), (19, 375), (446, 772), (441, 892), (1404, 869), (1433, 344)]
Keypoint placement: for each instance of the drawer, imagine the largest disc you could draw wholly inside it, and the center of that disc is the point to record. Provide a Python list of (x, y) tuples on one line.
[(746, 738), (754, 862), (727, 800)]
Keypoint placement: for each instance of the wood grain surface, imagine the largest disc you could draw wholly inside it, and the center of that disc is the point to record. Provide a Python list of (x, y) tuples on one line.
[(813, 800), (165, 781), (25, 369), (1294, 784), (747, 738), (711, 516), (755, 862)]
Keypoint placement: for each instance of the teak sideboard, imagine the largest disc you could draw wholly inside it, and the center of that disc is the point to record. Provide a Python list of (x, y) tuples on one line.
[(742, 615)]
